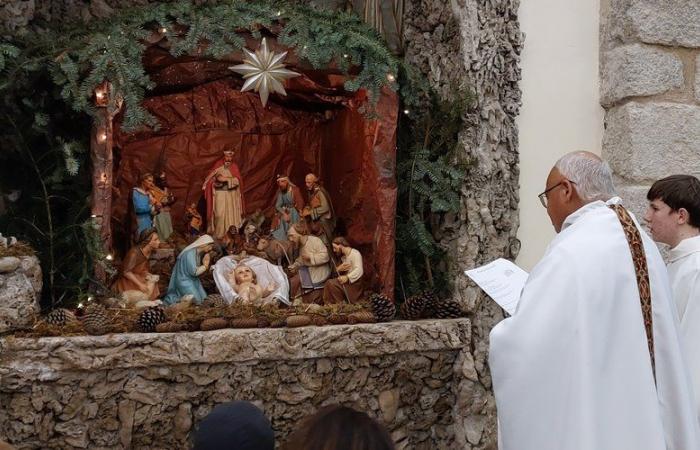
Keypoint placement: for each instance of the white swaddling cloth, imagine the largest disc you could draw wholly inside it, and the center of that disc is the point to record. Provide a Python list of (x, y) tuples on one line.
[(266, 272)]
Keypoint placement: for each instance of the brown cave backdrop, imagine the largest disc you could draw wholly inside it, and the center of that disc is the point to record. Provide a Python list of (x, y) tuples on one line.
[(319, 127)]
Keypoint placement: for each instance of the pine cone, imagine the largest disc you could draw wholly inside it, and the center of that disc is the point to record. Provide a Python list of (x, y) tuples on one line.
[(319, 321), (215, 323), (338, 319), (96, 321), (416, 306), (383, 309), (171, 327), (60, 317), (298, 320), (431, 304), (248, 322), (448, 309), (279, 323), (150, 318), (361, 317), (214, 301)]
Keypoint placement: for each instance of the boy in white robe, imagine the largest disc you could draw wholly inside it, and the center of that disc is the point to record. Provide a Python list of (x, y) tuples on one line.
[(571, 369), (673, 217)]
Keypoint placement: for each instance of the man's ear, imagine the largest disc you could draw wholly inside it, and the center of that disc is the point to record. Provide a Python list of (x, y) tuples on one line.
[(569, 190), (683, 216)]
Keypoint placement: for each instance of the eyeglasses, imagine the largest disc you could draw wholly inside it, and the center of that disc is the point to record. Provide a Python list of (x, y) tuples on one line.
[(543, 196)]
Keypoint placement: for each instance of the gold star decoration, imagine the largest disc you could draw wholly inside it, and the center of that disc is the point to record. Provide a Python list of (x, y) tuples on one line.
[(264, 72)]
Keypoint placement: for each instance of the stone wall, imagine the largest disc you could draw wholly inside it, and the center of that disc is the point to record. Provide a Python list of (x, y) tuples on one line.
[(148, 391), (20, 289), (650, 87), (476, 44)]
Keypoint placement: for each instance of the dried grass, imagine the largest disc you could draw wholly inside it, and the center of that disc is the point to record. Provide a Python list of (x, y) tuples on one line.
[(19, 249), (125, 320)]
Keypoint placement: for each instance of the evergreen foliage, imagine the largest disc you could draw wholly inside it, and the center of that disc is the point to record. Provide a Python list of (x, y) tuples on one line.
[(431, 176)]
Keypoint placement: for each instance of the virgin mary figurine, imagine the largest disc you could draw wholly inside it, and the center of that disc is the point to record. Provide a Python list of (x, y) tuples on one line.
[(192, 262)]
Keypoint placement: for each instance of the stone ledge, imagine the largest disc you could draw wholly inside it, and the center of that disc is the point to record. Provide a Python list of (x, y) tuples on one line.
[(132, 350), (638, 70)]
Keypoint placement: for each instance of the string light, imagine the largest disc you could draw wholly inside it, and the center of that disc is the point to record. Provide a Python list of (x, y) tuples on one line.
[(405, 111), (109, 257), (390, 77)]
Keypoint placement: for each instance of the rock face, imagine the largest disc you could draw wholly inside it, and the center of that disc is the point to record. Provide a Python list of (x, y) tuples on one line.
[(650, 50), (150, 390), (20, 289)]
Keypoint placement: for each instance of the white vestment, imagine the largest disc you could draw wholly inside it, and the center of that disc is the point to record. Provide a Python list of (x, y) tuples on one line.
[(684, 273), (571, 369)]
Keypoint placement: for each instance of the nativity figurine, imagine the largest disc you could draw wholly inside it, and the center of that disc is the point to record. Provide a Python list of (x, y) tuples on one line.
[(143, 206), (223, 192), (319, 209), (311, 268), (288, 206), (134, 274), (348, 286), (191, 263), (162, 199), (244, 282), (194, 221)]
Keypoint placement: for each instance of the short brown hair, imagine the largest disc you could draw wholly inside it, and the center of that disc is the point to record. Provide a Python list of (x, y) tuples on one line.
[(340, 240), (679, 191), (337, 427)]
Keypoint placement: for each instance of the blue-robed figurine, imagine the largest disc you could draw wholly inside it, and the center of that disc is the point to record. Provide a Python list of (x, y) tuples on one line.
[(143, 207), (288, 205), (192, 262)]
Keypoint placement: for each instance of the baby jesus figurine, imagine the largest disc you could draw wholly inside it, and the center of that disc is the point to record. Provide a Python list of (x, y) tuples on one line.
[(245, 282)]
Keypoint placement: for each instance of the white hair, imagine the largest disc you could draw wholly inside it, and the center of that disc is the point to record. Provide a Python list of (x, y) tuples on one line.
[(591, 175)]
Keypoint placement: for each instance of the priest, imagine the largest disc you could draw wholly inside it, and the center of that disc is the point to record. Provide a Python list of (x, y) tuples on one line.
[(223, 192), (591, 359), (673, 217)]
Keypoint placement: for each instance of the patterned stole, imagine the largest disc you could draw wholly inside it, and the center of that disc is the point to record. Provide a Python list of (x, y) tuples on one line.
[(634, 239)]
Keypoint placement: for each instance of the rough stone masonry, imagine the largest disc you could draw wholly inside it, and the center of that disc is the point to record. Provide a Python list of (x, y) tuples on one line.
[(148, 391), (650, 88)]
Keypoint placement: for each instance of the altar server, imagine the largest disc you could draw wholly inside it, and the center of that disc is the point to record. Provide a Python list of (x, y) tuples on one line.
[(673, 217), (589, 360)]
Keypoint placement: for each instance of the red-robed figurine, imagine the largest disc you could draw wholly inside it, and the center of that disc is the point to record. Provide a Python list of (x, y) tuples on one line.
[(222, 191)]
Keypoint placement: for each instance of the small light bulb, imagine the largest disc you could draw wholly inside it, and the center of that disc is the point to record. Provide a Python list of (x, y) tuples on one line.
[(346, 55), (279, 13), (405, 111), (109, 257), (390, 77), (163, 30), (93, 216), (90, 298), (102, 137), (99, 94), (80, 305)]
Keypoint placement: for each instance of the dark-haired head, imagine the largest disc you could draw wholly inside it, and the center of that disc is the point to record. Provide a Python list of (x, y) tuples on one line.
[(146, 235), (338, 427), (679, 191)]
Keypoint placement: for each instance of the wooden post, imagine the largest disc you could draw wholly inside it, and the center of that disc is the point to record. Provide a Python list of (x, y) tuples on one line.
[(101, 155)]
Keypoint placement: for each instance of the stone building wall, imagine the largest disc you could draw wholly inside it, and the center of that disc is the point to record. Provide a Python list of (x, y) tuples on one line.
[(650, 88), (148, 391)]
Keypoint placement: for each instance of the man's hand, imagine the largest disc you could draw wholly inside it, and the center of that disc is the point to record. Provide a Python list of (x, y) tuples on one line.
[(344, 267), (343, 279), (206, 260)]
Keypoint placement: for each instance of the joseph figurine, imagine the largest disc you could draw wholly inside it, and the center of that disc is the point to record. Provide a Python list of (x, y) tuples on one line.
[(222, 190)]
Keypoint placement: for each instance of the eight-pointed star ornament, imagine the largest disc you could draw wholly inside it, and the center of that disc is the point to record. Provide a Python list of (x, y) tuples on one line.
[(264, 72)]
